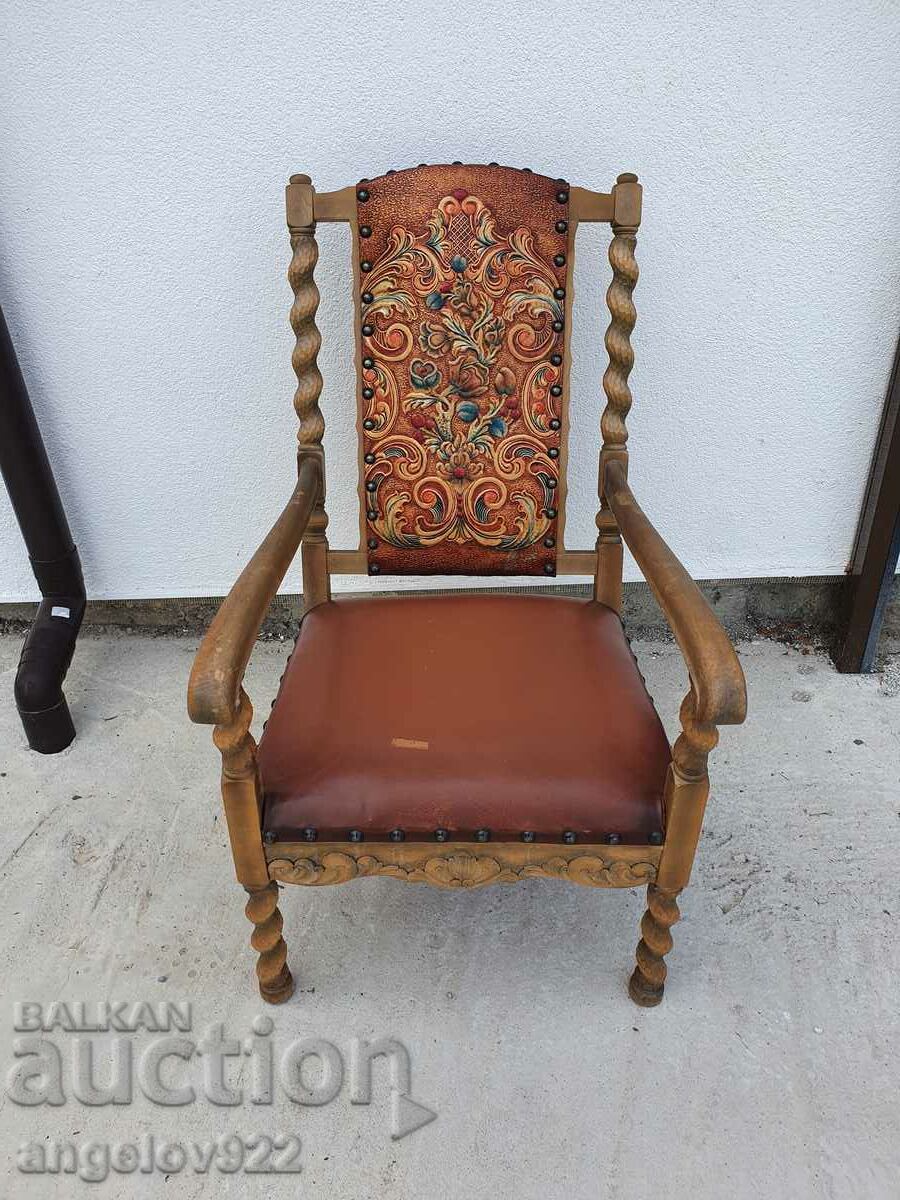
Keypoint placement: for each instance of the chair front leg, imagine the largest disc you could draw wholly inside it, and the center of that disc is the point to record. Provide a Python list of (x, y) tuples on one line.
[(241, 796), (687, 788), (276, 983), (649, 977)]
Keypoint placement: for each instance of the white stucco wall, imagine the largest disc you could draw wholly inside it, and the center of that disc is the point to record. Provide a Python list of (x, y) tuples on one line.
[(143, 252)]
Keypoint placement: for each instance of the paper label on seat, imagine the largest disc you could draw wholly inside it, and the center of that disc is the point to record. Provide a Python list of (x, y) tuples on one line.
[(408, 744)]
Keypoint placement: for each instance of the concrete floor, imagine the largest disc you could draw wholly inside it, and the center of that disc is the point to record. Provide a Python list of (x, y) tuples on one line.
[(770, 1070)]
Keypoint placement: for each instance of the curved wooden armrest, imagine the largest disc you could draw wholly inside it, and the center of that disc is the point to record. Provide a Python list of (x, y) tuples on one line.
[(717, 680), (214, 690)]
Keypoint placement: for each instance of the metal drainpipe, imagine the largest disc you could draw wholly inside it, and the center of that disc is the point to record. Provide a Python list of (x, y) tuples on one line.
[(54, 559)]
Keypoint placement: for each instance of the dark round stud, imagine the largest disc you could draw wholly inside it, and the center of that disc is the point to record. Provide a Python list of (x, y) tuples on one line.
[(365, 181), (269, 837), (553, 452), (369, 458), (356, 835), (556, 390), (423, 164), (362, 195), (551, 484), (527, 835), (369, 363), (570, 837), (527, 171), (392, 171), (367, 297), (441, 835), (368, 330), (367, 393), (614, 839), (557, 326), (368, 423), (365, 231), (559, 260), (561, 226), (559, 293), (372, 485), (310, 834), (549, 542), (549, 568), (551, 513), (457, 162), (555, 423), (493, 164), (482, 835), (396, 835), (372, 543), (372, 514), (365, 265), (562, 197), (556, 359), (374, 569), (656, 838)]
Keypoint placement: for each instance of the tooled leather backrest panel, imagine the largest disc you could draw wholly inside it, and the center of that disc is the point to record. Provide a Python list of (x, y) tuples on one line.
[(462, 275)]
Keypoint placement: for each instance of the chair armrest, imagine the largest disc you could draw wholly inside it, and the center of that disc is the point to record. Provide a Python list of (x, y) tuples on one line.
[(716, 675), (214, 689)]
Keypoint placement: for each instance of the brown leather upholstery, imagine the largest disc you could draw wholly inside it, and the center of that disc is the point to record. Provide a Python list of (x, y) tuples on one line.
[(506, 713)]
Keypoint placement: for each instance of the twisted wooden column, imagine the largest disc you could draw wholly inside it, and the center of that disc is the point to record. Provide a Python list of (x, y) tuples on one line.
[(623, 316), (241, 796), (648, 981), (618, 338), (687, 788), (275, 981), (301, 224), (241, 793)]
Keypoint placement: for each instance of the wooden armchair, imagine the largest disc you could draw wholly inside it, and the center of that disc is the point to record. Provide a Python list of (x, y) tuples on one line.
[(461, 740)]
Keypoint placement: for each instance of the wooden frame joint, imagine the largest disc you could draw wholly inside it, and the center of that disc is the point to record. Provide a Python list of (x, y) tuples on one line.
[(627, 196), (299, 203), (610, 454), (585, 205)]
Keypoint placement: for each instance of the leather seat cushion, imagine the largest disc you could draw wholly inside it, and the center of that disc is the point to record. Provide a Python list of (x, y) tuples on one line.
[(463, 712)]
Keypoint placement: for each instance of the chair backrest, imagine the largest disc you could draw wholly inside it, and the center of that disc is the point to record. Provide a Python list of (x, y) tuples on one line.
[(463, 294)]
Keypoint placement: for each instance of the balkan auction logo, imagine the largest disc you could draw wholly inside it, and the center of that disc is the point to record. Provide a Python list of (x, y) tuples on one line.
[(91, 1053)]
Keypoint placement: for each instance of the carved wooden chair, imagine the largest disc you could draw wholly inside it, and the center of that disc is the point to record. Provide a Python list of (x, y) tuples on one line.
[(462, 740)]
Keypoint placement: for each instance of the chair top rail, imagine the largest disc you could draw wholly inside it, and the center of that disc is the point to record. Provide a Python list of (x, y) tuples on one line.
[(340, 206)]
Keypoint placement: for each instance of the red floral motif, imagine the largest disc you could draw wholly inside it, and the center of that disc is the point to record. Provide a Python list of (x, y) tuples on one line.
[(464, 327)]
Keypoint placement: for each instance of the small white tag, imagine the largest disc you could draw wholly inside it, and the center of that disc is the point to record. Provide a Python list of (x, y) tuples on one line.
[(59, 611)]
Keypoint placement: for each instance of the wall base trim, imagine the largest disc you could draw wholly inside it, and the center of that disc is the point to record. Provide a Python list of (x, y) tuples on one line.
[(804, 610)]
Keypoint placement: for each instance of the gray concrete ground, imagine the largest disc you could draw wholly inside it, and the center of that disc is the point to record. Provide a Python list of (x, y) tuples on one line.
[(770, 1070)]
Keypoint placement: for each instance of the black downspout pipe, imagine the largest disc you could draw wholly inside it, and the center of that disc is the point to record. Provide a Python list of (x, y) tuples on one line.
[(50, 642)]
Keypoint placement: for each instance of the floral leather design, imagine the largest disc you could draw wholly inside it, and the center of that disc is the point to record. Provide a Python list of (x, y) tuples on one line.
[(462, 329)]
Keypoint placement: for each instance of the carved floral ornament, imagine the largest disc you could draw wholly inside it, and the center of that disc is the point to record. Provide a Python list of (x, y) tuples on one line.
[(462, 343), (461, 870)]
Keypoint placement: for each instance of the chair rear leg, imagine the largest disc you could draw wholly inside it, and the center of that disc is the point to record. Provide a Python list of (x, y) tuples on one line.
[(647, 983), (275, 981)]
